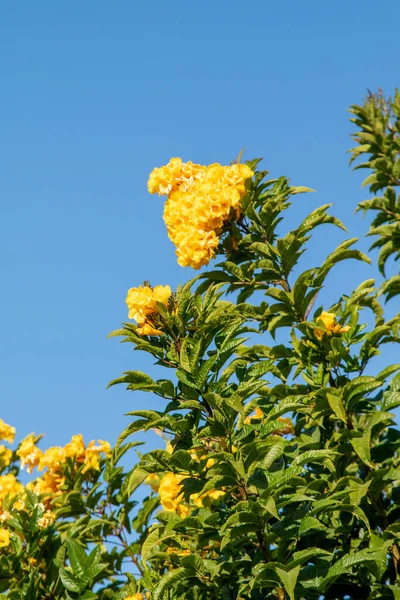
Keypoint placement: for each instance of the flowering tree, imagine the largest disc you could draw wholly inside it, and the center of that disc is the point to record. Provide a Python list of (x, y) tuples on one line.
[(279, 477)]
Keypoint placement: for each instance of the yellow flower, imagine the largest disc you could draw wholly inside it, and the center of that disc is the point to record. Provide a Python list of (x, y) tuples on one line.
[(47, 519), (4, 515), (49, 484), (258, 414), (19, 505), (5, 456), (75, 449), (9, 486), (171, 497), (200, 201), (206, 499), (92, 459), (142, 305), (4, 538), (52, 458), (328, 320), (169, 448), (32, 561), (177, 551), (288, 426), (153, 480), (29, 454), (7, 432), (148, 330)]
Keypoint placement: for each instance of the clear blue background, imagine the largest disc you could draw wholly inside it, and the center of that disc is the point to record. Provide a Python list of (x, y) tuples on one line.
[(97, 93)]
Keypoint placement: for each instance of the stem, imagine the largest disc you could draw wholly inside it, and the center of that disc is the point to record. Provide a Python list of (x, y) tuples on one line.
[(206, 405), (263, 546), (125, 544)]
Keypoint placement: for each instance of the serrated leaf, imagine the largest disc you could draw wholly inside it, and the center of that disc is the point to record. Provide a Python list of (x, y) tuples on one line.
[(310, 523), (289, 579), (77, 558), (336, 404), (136, 477), (70, 581), (168, 579)]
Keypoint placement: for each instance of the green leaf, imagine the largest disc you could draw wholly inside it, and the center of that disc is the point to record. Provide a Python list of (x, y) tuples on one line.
[(336, 404), (241, 518), (154, 539), (299, 558), (362, 446), (204, 372), (137, 477), (94, 566), (314, 455), (138, 379), (343, 565), (270, 507), (289, 579), (77, 558), (238, 531), (300, 189), (273, 454), (309, 524), (70, 581), (169, 579)]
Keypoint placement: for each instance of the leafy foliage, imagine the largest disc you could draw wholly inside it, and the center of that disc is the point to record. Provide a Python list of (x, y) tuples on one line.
[(281, 470), (378, 138)]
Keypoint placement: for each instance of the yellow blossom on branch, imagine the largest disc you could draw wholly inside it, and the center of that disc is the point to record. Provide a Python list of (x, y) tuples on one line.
[(258, 414), (53, 462), (92, 456), (7, 432), (153, 480), (75, 449), (47, 519), (5, 456), (52, 458), (4, 538), (49, 484), (142, 305), (29, 454), (287, 426), (201, 199), (171, 496), (19, 505), (9, 486), (328, 320)]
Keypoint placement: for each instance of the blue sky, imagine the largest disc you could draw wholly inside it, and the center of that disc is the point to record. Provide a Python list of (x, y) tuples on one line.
[(94, 95)]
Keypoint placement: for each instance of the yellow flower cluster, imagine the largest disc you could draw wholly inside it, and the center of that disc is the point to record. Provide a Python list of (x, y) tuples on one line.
[(171, 496), (142, 305), (138, 596), (4, 538), (200, 201), (169, 488), (47, 518), (54, 459), (5, 456), (9, 486), (7, 432), (328, 320)]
